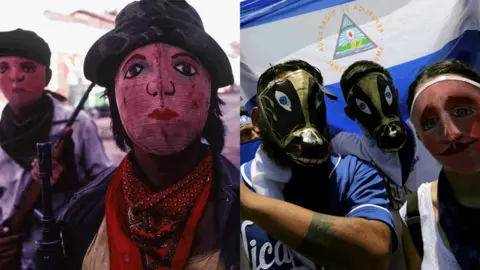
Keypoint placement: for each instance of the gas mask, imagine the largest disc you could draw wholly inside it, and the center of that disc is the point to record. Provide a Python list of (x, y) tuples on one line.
[(294, 108), (374, 103)]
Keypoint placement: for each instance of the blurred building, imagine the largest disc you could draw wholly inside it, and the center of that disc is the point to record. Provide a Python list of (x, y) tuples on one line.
[(70, 36)]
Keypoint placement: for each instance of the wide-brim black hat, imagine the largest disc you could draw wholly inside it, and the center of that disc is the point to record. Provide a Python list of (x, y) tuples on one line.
[(149, 21)]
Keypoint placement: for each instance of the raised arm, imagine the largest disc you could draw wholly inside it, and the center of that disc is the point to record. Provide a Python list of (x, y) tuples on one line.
[(351, 243)]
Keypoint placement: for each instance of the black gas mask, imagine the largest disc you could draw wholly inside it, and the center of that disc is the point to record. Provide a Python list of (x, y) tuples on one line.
[(374, 102), (294, 108)]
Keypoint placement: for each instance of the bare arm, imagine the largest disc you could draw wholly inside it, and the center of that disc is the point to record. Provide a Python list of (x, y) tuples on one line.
[(337, 242)]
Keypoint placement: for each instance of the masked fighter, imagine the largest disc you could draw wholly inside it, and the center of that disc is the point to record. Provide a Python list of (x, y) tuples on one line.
[(444, 104), (31, 116), (173, 200), (329, 209)]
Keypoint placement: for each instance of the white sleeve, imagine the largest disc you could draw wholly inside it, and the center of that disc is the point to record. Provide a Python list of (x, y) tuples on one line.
[(95, 160)]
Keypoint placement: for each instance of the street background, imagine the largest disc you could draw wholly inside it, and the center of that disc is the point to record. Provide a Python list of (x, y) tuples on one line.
[(70, 27)]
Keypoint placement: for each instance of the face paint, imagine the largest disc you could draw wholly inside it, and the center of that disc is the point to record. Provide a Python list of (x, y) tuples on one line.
[(22, 81), (374, 103), (163, 97), (447, 120), (295, 110)]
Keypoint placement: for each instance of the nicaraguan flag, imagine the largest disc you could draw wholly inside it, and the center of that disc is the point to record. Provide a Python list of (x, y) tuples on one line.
[(402, 35)]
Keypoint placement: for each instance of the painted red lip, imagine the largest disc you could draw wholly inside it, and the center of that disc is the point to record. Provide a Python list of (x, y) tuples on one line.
[(165, 114), (459, 147)]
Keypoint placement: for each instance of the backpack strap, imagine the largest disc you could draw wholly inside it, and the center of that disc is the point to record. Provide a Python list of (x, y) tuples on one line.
[(412, 219)]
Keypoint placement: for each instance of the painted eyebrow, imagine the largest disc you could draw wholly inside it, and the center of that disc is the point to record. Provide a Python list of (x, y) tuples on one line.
[(28, 63), (430, 109), (183, 54), (133, 57)]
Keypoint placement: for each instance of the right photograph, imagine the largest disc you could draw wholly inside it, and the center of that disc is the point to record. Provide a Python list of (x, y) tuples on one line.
[(359, 134)]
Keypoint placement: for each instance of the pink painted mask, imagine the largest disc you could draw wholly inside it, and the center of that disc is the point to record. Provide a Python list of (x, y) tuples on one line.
[(22, 81), (446, 116), (163, 97)]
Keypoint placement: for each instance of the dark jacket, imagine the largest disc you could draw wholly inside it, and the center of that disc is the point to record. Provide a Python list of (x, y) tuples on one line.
[(81, 218)]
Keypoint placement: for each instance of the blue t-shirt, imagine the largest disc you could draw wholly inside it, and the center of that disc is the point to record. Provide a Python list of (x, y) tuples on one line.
[(356, 190)]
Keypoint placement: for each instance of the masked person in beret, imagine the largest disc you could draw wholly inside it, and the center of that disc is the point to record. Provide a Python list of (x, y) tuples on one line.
[(35, 115), (173, 201)]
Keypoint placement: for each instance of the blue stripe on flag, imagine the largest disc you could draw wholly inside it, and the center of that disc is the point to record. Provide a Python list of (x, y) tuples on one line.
[(257, 12)]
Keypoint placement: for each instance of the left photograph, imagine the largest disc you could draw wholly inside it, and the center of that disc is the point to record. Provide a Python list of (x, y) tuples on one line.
[(119, 135)]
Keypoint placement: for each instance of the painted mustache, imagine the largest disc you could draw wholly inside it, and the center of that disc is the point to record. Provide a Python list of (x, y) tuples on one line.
[(456, 148), (165, 114)]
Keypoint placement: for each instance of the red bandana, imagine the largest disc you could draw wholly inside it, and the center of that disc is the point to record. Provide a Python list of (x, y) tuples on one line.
[(154, 230)]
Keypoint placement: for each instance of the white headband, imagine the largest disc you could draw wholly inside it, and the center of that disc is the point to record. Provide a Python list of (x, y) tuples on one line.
[(441, 79)]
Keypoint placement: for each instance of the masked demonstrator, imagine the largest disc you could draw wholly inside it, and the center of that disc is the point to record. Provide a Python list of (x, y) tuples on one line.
[(173, 201), (303, 207), (34, 115), (443, 217), (388, 141)]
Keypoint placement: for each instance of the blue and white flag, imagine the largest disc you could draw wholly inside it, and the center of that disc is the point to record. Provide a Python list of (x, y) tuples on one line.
[(401, 35)]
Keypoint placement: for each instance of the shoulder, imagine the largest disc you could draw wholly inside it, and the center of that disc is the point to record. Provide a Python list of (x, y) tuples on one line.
[(345, 137), (227, 170), (345, 143), (354, 175), (85, 199), (80, 219), (63, 112), (352, 164)]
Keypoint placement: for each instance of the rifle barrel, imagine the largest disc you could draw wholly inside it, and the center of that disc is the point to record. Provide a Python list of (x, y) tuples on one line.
[(44, 152), (80, 105), (49, 253)]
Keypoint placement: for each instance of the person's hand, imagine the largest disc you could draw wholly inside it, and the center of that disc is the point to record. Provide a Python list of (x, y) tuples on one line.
[(10, 249), (57, 165)]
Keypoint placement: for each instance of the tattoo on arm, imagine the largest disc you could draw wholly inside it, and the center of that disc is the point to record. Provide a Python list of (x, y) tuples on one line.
[(320, 229), (324, 234)]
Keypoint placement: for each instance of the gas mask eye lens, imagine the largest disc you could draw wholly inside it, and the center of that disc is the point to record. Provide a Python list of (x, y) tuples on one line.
[(363, 106), (283, 100), (388, 95)]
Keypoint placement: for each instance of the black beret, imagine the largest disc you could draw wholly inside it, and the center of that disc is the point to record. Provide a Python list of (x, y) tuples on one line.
[(27, 44), (149, 21)]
